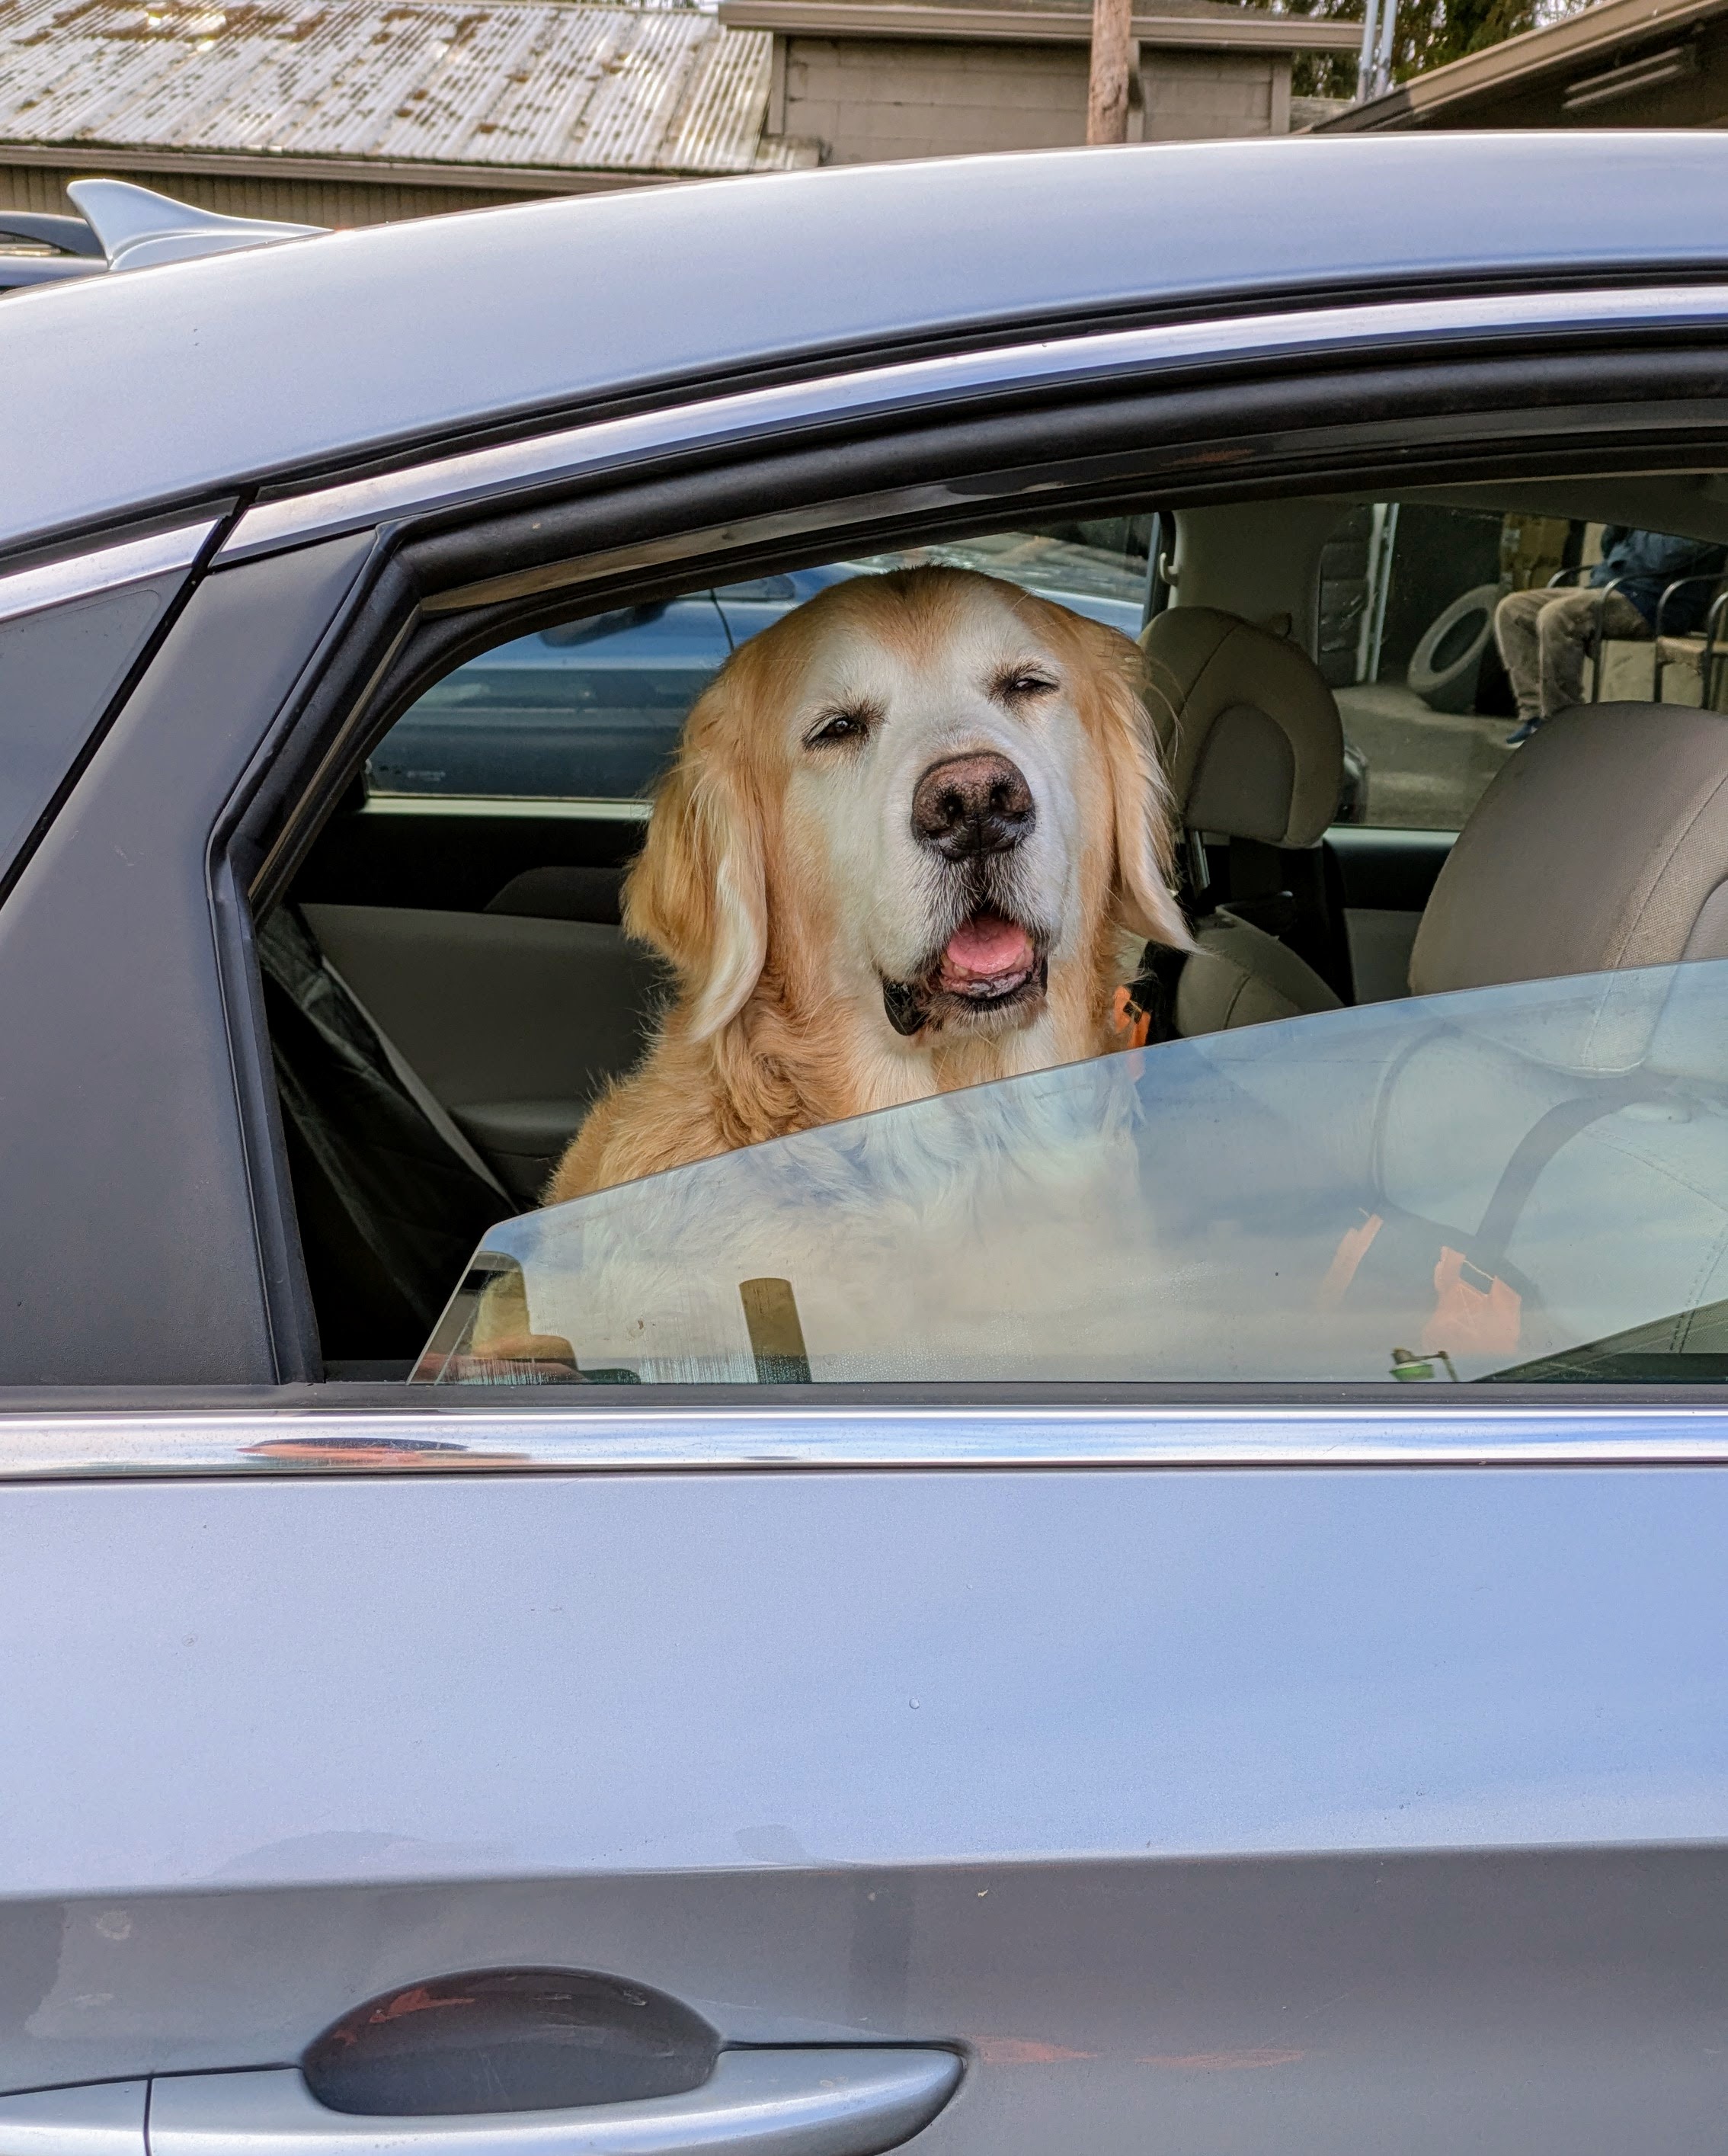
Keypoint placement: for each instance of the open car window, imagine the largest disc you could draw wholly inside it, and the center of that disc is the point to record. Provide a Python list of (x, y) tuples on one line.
[(1461, 1188)]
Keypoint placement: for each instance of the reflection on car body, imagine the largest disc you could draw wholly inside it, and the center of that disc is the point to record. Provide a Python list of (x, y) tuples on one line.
[(1466, 1176)]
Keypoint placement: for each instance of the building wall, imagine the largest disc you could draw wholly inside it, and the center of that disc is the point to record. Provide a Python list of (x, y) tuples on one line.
[(289, 200), (877, 99), (867, 99), (1193, 97)]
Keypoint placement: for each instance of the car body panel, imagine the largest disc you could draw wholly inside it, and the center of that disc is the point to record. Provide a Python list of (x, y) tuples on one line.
[(132, 1210), (1309, 1809), (323, 350)]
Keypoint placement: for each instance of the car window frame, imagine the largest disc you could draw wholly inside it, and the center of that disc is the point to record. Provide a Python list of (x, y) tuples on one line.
[(408, 607), (457, 622)]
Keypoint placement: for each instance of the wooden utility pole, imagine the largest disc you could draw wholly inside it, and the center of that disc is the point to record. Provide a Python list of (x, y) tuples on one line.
[(1112, 58)]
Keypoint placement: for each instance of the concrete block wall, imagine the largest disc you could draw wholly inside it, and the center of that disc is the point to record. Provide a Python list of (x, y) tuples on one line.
[(871, 98), (1194, 97), (867, 100)]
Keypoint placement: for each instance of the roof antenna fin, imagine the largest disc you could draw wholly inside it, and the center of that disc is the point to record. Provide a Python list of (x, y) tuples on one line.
[(138, 229)]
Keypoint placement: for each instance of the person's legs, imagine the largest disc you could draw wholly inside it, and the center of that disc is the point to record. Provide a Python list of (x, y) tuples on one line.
[(1567, 634), (1515, 632)]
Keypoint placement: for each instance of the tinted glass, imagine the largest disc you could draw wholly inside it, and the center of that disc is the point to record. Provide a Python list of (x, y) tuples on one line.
[(1530, 1180), (59, 672)]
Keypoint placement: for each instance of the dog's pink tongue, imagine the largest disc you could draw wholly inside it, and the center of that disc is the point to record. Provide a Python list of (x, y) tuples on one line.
[(985, 948)]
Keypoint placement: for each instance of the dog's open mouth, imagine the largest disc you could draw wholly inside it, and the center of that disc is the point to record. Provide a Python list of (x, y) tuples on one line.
[(990, 964)]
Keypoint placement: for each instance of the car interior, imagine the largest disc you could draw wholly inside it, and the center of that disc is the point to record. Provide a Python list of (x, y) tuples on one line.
[(447, 986)]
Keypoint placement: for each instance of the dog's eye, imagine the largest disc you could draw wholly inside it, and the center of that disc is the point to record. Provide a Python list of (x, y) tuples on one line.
[(1021, 682), (837, 726)]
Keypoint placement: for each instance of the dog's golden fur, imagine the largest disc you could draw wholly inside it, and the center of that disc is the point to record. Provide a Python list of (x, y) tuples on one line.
[(766, 1035)]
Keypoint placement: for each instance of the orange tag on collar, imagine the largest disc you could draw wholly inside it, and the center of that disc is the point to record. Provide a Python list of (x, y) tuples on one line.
[(1131, 1025), (1470, 1319)]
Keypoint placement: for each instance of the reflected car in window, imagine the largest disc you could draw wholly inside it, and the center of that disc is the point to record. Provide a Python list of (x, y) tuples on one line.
[(591, 710)]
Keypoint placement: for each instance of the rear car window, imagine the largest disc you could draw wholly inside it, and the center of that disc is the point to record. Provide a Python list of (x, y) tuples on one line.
[(1389, 1119)]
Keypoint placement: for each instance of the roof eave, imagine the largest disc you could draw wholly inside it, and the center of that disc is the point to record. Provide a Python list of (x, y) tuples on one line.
[(528, 181), (1608, 26), (1225, 29)]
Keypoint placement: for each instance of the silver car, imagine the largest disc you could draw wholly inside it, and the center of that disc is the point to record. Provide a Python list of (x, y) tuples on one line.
[(1173, 1604)]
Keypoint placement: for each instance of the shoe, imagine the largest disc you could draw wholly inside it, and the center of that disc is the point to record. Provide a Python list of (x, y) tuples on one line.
[(1517, 738)]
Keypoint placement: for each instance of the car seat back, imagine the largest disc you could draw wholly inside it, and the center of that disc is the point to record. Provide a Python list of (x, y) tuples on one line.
[(1253, 748)]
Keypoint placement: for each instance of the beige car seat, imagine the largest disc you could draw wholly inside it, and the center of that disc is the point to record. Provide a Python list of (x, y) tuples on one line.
[(1254, 750), (1603, 843)]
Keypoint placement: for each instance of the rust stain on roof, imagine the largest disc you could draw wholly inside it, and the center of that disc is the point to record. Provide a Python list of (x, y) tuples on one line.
[(661, 88)]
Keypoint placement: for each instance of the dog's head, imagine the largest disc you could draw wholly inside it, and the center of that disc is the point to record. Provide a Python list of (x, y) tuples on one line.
[(922, 793)]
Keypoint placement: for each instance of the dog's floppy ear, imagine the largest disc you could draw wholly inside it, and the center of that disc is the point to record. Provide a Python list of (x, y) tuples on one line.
[(1145, 898), (698, 894)]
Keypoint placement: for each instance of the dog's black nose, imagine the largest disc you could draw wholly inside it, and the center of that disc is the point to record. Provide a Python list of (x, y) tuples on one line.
[(973, 804)]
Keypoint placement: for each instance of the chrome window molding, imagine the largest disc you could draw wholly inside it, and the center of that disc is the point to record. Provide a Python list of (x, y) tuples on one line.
[(535, 807), (607, 445), (495, 1439), (105, 569)]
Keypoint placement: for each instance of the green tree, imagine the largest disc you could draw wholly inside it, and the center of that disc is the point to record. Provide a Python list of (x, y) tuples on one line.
[(1428, 34), (1431, 32)]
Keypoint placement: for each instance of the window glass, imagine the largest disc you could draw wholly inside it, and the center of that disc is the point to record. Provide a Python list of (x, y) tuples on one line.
[(1408, 597), (1521, 1181), (1323, 1170), (59, 672), (591, 709)]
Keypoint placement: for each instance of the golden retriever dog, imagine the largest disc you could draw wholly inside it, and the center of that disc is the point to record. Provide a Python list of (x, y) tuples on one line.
[(913, 837)]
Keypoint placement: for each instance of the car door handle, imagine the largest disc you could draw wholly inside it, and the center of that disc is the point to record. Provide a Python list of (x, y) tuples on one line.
[(778, 2103)]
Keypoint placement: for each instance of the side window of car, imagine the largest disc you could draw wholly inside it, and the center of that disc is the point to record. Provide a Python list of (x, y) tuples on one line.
[(1403, 1111), (1406, 601), (1440, 1191), (588, 710)]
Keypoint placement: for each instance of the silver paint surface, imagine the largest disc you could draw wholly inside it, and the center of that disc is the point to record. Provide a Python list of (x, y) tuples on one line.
[(881, 391), (1335, 1811), (267, 362)]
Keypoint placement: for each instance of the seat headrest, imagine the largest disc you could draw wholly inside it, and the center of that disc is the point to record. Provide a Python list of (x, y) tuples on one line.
[(1603, 843), (1250, 734)]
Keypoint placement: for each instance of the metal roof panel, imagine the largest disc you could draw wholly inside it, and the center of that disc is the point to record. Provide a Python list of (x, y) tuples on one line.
[(545, 83)]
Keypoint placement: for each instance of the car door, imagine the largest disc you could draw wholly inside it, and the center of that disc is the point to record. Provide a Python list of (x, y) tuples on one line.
[(1092, 1763)]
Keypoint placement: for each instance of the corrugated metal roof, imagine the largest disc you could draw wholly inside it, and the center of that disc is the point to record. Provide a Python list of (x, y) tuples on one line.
[(653, 88)]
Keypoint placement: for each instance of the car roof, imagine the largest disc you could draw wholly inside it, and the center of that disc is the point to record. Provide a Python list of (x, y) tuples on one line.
[(153, 385)]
